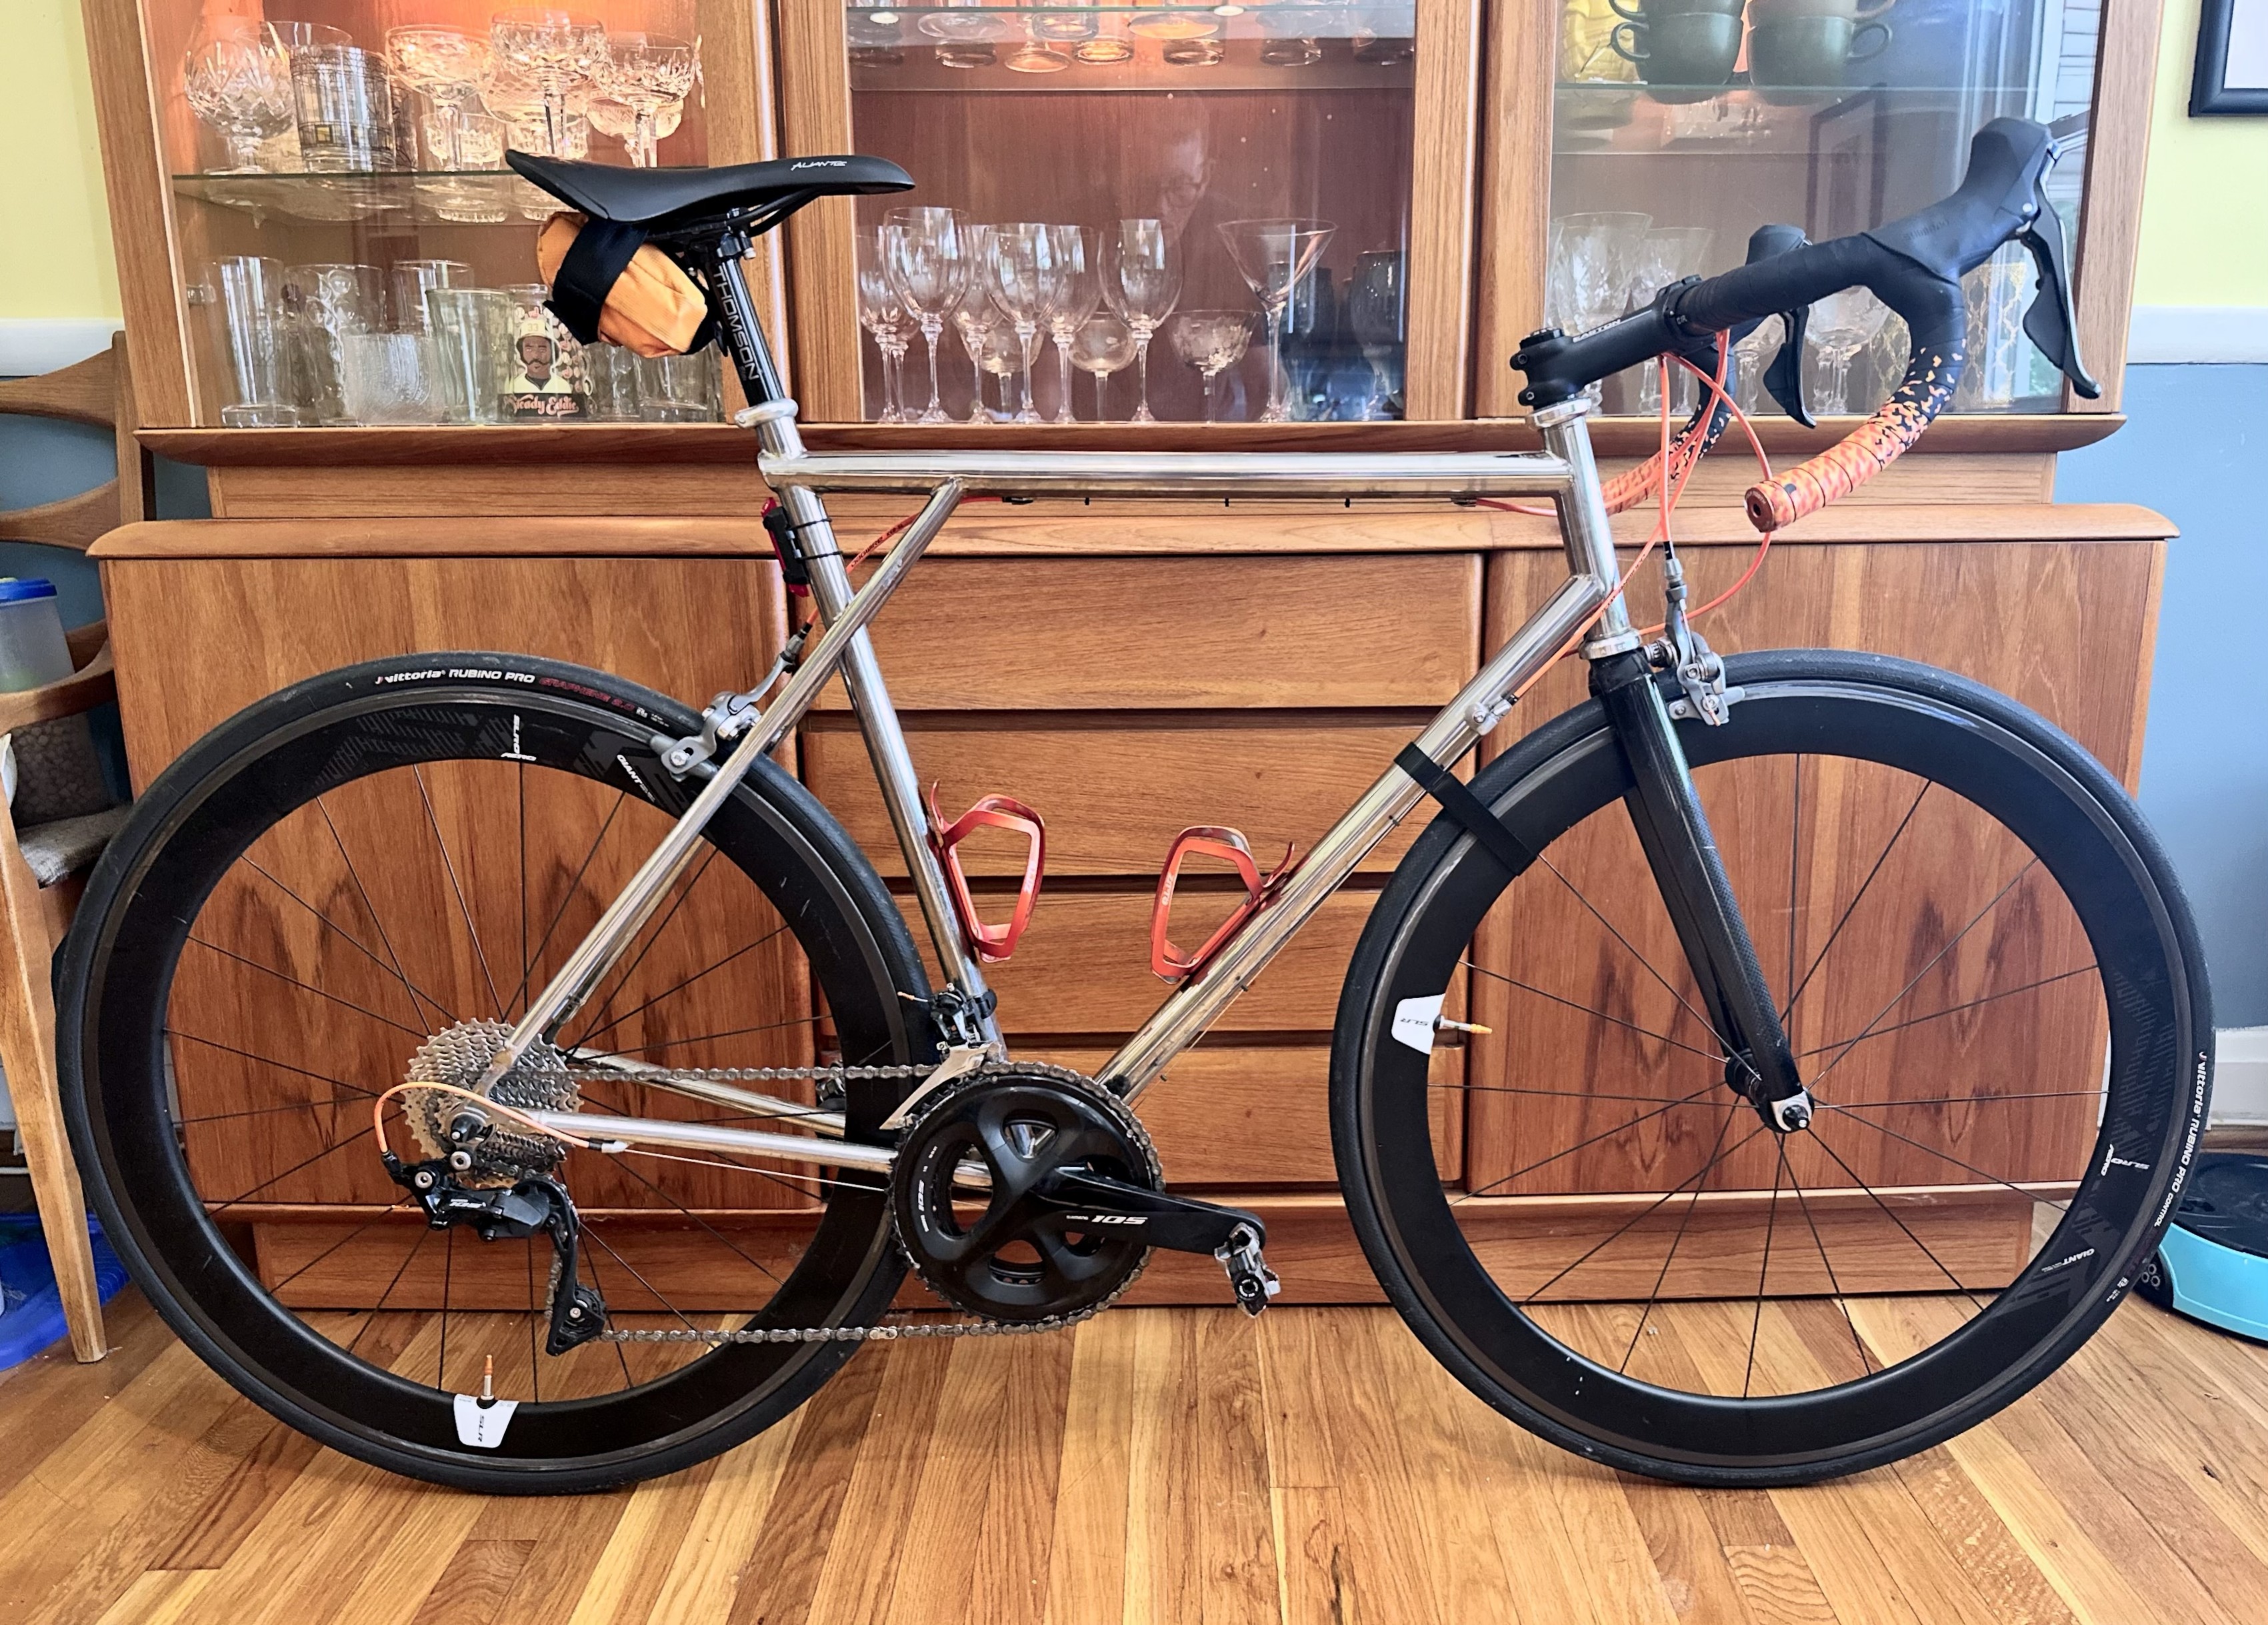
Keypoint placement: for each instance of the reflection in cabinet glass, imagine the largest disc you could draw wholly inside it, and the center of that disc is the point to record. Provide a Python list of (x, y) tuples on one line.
[(1679, 125), (336, 162), (1220, 162)]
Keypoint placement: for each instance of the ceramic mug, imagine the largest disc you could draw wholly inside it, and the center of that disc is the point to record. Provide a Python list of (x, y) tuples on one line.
[(1799, 52), (1764, 11), (1691, 51), (1654, 10)]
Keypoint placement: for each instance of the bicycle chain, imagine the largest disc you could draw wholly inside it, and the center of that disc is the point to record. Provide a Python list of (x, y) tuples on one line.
[(884, 1333)]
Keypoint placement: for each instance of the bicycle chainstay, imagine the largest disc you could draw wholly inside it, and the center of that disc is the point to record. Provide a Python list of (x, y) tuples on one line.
[(882, 1334)]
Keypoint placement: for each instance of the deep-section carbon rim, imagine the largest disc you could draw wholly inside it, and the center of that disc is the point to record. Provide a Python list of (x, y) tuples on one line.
[(346, 729), (1977, 746)]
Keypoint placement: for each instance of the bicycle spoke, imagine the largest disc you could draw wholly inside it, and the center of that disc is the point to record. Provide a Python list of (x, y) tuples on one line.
[(534, 1352), (278, 1179), (390, 1208), (370, 1316), (321, 1077), (1594, 1139), (1865, 1361), (1624, 1227), (527, 968), (677, 987), (1716, 1153), (704, 1038), (1955, 1010), (1645, 964), (371, 908), (448, 1272), (671, 1308), (1794, 868), (1890, 1213), (306, 986), (652, 938), (1968, 1100), (698, 1220), (1763, 1274), (1934, 959), (1857, 897), (1644, 1032), (597, 1281), (1560, 1094), (433, 821), (296, 1105), (416, 992), (1883, 1128), (716, 1159)]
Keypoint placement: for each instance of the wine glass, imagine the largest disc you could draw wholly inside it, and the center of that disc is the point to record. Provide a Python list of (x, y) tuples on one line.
[(1842, 323), (650, 74), (1141, 283), (1272, 256), (975, 315), (1005, 355), (927, 264), (238, 78), (1210, 341), (883, 314), (1024, 277), (1077, 290), (1102, 346), (556, 50)]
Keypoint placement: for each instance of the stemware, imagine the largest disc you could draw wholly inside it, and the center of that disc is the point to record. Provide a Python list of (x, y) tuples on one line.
[(1594, 261), (1272, 256), (1026, 278), (928, 266), (1667, 253), (444, 65), (1005, 355), (1210, 341), (883, 314), (1102, 346), (1078, 290), (1842, 323), (648, 73), (1141, 283), (237, 76), (557, 49), (975, 315)]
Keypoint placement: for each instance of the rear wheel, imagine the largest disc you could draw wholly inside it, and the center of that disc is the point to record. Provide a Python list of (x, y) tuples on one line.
[(1598, 1236), (391, 858)]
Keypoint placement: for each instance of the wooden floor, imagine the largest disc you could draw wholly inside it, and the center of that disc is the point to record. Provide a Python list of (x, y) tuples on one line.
[(1162, 1464)]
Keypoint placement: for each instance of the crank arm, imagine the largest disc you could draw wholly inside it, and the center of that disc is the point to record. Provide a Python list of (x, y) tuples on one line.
[(1177, 1223)]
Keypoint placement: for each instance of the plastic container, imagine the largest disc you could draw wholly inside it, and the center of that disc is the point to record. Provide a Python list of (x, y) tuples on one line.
[(57, 773)]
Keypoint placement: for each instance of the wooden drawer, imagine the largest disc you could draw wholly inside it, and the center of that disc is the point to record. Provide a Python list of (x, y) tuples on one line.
[(1115, 794), (1084, 967), (1181, 633)]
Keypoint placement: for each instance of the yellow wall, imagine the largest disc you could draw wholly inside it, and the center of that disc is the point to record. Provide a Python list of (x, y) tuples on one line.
[(57, 261), (2205, 232)]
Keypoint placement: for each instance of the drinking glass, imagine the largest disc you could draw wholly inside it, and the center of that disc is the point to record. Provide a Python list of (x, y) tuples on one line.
[(883, 314), (1141, 283), (472, 141), (345, 102), (535, 131), (1668, 253), (1378, 315), (1594, 261), (413, 278), (546, 372), (648, 73), (1004, 356), (1842, 323), (324, 303), (470, 327), (1026, 280), (444, 65), (245, 305), (1102, 346), (1210, 341), (237, 76), (619, 120), (614, 376), (557, 50), (927, 263), (975, 315), (390, 377), (1078, 290), (680, 388), (1272, 256)]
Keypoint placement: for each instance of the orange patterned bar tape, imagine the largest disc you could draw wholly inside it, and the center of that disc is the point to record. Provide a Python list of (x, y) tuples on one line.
[(1862, 454)]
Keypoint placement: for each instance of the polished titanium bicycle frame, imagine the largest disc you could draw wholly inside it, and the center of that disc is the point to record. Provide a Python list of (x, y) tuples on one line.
[(1563, 471)]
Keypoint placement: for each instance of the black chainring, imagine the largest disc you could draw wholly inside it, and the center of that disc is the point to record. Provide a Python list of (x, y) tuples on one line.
[(1007, 1252)]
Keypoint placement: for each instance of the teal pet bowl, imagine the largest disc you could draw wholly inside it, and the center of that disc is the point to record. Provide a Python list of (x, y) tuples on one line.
[(2213, 1266)]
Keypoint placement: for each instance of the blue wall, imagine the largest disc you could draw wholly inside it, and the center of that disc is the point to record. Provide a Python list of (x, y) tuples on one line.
[(2187, 452)]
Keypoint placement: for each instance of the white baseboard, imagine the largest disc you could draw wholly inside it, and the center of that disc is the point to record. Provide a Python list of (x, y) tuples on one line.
[(2239, 1075), (30, 344), (2197, 334)]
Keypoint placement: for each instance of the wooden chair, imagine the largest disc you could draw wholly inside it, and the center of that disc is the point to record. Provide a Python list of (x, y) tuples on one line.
[(43, 867)]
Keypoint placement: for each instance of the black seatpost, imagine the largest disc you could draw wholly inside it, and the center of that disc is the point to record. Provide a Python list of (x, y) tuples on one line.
[(736, 320)]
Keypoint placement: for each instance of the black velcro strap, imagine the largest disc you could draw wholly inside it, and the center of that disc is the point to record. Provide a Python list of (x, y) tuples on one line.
[(601, 251), (1466, 808)]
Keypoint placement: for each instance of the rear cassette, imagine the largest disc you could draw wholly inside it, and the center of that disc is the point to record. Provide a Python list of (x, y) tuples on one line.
[(966, 1194)]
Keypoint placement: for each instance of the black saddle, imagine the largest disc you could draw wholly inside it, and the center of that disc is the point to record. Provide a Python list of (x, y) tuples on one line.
[(665, 198)]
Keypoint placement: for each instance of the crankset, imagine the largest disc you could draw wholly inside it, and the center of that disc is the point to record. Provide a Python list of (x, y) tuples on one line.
[(1029, 1193), (535, 1203)]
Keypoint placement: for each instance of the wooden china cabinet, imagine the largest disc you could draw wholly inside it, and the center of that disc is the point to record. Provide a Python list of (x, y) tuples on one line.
[(1126, 669)]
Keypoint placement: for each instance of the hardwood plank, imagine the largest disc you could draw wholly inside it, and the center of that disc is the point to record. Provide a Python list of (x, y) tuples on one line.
[(711, 1562), (1086, 1551), (1236, 1546), (393, 1587), (645, 1543), (472, 1588), (1015, 1546), (50, 1397), (868, 1544), (1311, 1539), (1698, 1579), (263, 1469), (159, 1597), (1162, 1537)]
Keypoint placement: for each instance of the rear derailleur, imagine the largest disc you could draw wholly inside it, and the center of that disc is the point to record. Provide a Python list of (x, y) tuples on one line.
[(534, 1203), (1028, 1193)]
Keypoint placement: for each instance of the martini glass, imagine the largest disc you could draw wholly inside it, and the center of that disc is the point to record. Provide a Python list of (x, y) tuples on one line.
[(559, 50), (651, 74), (1210, 341), (1272, 256)]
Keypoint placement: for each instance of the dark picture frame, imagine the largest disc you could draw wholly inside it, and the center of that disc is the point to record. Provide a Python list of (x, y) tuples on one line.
[(2211, 96)]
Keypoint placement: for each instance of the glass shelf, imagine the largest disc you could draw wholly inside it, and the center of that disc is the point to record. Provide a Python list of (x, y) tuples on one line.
[(447, 198)]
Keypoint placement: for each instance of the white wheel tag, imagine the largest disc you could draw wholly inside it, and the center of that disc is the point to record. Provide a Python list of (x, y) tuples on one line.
[(480, 1423), (1413, 1021)]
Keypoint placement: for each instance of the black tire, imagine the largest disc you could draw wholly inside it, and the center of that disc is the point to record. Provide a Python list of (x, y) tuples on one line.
[(465, 712), (1886, 715)]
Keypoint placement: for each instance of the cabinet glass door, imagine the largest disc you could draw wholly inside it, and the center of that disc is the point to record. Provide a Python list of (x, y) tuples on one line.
[(1215, 199), (1679, 125), (352, 249)]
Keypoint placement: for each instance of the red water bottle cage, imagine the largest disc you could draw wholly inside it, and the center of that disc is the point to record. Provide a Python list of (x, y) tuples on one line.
[(992, 943), (1208, 840)]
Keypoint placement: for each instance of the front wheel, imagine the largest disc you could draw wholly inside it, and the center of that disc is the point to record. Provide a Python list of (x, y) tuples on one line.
[(366, 877), (1994, 990)]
